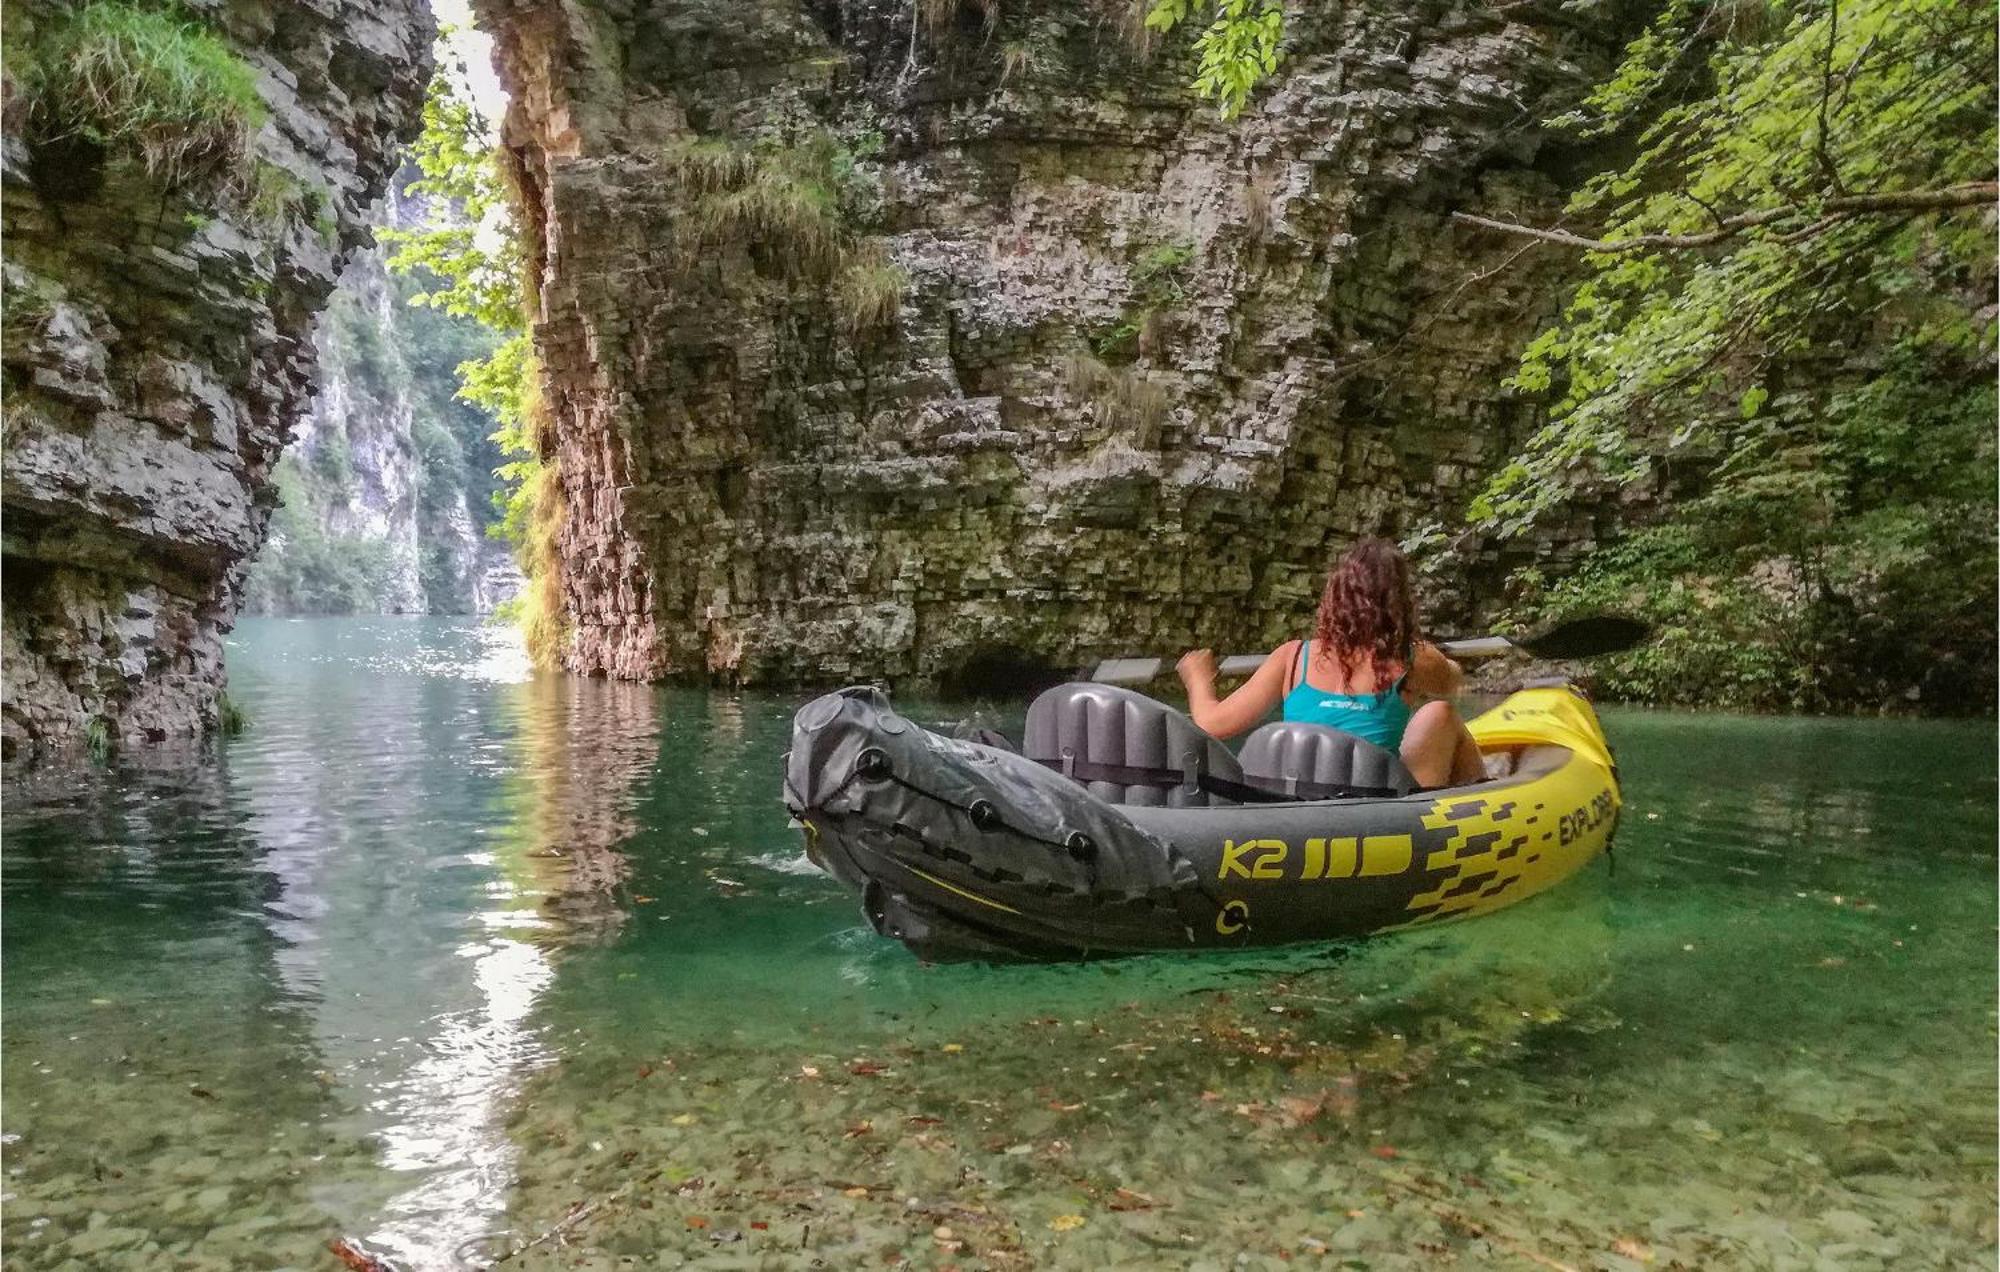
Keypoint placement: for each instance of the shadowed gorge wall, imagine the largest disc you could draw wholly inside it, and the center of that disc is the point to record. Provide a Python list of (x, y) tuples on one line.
[(873, 352), (158, 336)]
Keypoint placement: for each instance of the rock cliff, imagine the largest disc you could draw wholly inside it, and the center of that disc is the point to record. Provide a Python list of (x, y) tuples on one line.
[(387, 486), (948, 340), (161, 282)]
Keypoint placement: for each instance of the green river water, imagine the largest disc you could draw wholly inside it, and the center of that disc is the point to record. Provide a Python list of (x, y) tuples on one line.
[(371, 972)]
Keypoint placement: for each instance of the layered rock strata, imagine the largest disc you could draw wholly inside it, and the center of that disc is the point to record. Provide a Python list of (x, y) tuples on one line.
[(1143, 370), (158, 351)]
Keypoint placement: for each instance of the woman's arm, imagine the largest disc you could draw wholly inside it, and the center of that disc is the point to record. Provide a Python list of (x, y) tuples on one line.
[(1432, 674), (1230, 716)]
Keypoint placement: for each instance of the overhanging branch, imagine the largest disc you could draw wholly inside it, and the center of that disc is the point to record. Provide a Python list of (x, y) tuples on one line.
[(1839, 207)]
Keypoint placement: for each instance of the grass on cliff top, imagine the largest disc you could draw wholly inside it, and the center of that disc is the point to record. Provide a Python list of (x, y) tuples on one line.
[(783, 197), (795, 201), (125, 76)]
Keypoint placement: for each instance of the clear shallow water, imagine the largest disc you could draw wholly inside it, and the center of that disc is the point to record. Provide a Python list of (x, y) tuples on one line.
[(443, 959)]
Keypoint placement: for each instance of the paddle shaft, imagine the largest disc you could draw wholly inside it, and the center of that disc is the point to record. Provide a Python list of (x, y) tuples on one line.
[(1583, 636), (1139, 671)]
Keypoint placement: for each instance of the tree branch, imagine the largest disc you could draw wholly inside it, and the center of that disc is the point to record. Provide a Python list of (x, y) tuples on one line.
[(1822, 141), (1840, 207)]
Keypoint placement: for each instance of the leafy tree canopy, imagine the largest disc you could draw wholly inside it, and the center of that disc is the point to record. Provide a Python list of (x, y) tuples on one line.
[(1814, 182), (1238, 44), (467, 254), (467, 260), (470, 262), (1784, 328)]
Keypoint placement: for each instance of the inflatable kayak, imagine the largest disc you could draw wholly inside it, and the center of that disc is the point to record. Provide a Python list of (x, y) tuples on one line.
[(1119, 826)]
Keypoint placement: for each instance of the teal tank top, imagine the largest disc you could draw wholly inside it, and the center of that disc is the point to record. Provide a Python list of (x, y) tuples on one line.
[(1373, 717)]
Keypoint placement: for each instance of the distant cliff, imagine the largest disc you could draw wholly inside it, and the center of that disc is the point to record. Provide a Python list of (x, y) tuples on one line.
[(927, 340), (178, 195), (387, 487)]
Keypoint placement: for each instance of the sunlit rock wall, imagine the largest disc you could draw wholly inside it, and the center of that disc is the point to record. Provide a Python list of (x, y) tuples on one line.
[(157, 352), (1149, 368)]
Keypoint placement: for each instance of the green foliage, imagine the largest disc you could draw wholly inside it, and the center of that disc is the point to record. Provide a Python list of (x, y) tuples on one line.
[(799, 203), (397, 358), (1664, 344), (1819, 375), (1122, 395), (301, 569), (138, 79), (869, 295), (99, 741), (332, 462), (271, 195), (453, 436), (468, 261), (468, 253), (1159, 269), (355, 337), (504, 385), (1159, 285), (801, 199), (1238, 46), (1018, 58), (230, 718)]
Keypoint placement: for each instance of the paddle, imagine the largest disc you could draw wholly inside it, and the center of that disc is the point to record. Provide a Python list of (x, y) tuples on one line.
[(1586, 637)]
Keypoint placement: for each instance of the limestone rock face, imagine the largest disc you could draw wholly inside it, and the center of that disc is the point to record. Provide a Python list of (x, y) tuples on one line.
[(386, 485), (1146, 369), (157, 353)]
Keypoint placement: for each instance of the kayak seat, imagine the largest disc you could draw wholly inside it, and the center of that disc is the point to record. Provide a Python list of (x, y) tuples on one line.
[(1128, 749), (1313, 761)]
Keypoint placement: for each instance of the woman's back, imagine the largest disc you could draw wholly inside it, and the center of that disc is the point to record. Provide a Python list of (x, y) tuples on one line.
[(1353, 674), (1342, 699)]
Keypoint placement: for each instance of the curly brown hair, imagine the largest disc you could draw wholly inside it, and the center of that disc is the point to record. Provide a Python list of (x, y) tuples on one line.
[(1368, 610)]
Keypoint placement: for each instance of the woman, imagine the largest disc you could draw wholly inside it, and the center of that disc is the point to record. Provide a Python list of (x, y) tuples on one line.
[(1362, 671)]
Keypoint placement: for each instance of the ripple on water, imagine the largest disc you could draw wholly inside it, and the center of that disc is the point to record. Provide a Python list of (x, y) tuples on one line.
[(435, 951)]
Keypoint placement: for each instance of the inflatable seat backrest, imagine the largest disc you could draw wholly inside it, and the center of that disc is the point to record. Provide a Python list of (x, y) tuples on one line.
[(1312, 761), (1092, 731)]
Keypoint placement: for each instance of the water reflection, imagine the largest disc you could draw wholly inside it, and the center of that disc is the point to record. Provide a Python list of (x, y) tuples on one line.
[(156, 1069), (335, 931), (426, 1024), (581, 747)]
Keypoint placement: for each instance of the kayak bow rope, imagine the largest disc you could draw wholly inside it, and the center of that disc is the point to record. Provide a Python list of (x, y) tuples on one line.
[(1588, 637)]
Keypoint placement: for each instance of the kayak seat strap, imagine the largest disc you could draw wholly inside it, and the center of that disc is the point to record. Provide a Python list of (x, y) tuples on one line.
[(1169, 779)]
